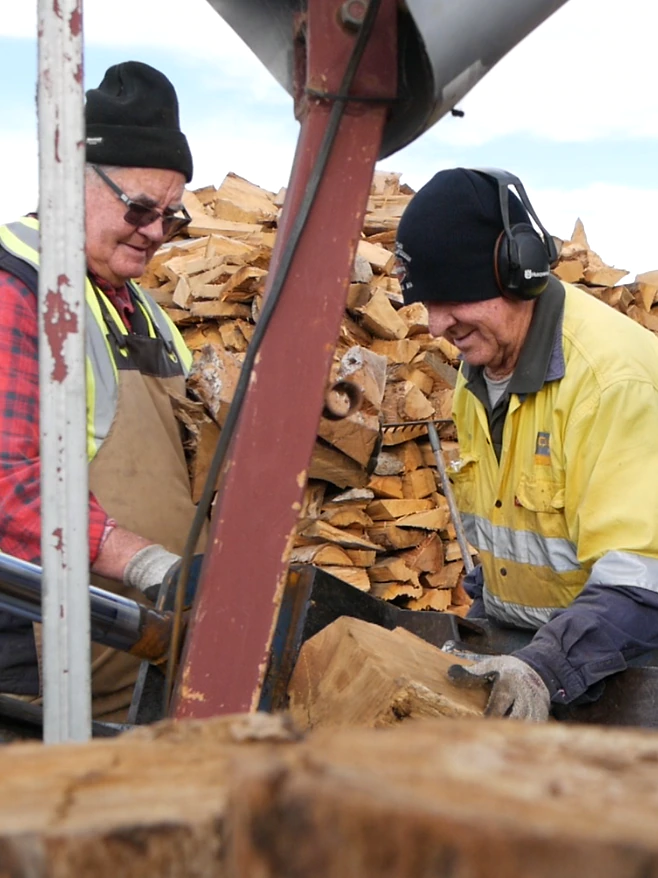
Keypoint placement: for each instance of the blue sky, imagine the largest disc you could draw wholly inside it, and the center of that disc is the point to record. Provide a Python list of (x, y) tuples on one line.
[(573, 111)]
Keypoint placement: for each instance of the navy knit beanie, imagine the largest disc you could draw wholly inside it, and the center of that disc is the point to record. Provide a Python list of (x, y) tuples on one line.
[(132, 121), (447, 237)]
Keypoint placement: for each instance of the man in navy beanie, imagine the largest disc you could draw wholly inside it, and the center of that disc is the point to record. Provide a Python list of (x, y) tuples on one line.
[(140, 505), (556, 408)]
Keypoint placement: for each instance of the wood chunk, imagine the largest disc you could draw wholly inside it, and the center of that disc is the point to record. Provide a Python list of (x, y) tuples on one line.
[(403, 401), (197, 337), (416, 318), (443, 375), (409, 455), (419, 483), (354, 495), (201, 458), (459, 596), (333, 466), (388, 464), (235, 335), (356, 576), (346, 516), (213, 378), (386, 486), (367, 370), (645, 294), (183, 293), (401, 350), (238, 199), (392, 568), (620, 298), (571, 271), (203, 309), (313, 499), (209, 225), (422, 380), (381, 318), (453, 552), (427, 557), (356, 435), (361, 271), (320, 554), (389, 536), (358, 296), (353, 673), (432, 599), (379, 257), (393, 591), (603, 275), (321, 530), (388, 510), (434, 519), (362, 557), (446, 578)]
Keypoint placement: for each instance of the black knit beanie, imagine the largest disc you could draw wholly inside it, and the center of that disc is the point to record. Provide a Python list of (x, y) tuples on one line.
[(447, 237), (132, 121)]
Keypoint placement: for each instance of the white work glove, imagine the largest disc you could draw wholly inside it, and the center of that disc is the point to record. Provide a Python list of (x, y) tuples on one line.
[(147, 568), (517, 690)]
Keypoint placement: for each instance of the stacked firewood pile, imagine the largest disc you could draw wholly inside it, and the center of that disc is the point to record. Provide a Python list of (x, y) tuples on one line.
[(373, 512), (580, 266)]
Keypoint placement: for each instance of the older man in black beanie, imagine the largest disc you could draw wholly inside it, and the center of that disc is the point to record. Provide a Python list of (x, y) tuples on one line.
[(140, 507), (556, 409)]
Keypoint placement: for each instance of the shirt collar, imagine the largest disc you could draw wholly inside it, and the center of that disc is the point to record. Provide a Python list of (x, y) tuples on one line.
[(542, 357)]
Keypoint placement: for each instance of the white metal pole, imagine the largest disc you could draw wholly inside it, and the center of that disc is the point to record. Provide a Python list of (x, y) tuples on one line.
[(64, 480)]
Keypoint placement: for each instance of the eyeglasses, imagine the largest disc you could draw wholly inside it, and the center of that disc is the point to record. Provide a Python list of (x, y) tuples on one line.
[(139, 215)]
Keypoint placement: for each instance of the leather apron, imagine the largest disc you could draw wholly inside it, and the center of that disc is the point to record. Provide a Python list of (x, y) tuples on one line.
[(140, 478)]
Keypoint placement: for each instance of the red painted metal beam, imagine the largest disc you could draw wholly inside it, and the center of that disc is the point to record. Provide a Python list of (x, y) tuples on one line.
[(246, 562)]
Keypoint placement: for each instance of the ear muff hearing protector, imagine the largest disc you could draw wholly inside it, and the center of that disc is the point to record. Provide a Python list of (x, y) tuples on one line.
[(522, 257)]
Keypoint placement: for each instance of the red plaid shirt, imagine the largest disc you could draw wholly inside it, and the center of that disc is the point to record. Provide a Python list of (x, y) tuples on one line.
[(20, 466)]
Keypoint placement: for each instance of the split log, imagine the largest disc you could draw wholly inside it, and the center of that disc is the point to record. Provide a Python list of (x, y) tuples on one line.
[(353, 673), (241, 796)]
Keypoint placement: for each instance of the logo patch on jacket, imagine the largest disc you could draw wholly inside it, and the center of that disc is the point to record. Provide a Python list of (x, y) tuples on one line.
[(543, 449)]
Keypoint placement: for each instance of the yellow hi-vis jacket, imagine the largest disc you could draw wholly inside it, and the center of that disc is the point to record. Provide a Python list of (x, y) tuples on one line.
[(21, 240), (574, 497)]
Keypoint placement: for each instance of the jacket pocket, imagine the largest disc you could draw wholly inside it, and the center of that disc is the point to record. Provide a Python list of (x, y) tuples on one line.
[(540, 495), (462, 474)]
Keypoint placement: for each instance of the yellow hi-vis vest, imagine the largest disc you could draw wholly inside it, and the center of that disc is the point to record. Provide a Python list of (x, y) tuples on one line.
[(576, 487), (21, 240)]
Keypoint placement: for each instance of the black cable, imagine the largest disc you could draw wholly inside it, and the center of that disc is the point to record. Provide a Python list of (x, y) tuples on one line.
[(315, 178)]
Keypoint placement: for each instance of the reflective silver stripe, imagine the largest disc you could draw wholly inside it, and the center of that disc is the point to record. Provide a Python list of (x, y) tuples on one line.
[(22, 239), (515, 614), (104, 395), (626, 568), (26, 235), (522, 546)]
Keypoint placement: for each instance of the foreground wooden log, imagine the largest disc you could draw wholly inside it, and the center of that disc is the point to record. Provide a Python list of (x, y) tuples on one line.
[(242, 797)]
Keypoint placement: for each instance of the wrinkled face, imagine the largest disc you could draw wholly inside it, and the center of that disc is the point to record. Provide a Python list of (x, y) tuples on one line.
[(115, 250), (489, 333)]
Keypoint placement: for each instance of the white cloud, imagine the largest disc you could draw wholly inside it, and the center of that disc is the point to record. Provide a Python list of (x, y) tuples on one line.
[(587, 72)]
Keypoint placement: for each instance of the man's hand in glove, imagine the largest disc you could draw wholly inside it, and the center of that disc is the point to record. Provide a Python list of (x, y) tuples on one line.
[(154, 565), (517, 690)]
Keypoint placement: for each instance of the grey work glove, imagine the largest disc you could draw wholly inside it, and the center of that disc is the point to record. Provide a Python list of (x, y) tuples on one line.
[(517, 690), (148, 567)]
